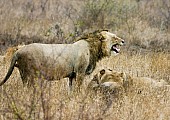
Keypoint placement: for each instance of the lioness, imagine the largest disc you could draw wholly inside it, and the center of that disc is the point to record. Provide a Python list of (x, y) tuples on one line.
[(108, 85), (107, 81), (56, 61), (9, 53), (128, 82)]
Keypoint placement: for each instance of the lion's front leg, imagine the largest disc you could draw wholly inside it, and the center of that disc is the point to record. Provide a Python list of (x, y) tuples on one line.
[(79, 81)]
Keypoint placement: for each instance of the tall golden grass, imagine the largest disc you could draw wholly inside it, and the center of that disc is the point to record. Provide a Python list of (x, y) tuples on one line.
[(51, 101)]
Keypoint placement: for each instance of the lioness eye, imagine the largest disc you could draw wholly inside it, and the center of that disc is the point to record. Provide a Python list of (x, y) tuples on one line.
[(102, 71)]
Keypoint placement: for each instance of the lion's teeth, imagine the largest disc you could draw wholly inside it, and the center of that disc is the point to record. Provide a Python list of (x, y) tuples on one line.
[(117, 49)]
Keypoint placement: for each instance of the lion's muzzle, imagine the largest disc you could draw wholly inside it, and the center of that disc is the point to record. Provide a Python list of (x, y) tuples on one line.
[(116, 47)]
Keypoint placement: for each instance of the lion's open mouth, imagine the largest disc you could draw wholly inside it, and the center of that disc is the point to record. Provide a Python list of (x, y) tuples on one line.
[(115, 48)]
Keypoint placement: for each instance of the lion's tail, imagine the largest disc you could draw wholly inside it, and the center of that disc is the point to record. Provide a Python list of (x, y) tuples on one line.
[(11, 68)]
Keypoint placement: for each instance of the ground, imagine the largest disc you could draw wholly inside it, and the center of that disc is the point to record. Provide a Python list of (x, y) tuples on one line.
[(51, 99)]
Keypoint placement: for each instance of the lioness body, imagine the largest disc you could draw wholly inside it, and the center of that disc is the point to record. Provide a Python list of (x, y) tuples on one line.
[(128, 82)]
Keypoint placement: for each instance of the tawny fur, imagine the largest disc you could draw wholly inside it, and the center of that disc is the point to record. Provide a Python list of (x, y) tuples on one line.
[(10, 51), (9, 54)]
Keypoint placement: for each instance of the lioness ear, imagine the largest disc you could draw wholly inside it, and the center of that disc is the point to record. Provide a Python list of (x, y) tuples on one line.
[(102, 71), (122, 74)]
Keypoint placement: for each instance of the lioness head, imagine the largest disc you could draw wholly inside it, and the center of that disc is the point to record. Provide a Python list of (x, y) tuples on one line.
[(10, 51), (108, 82), (112, 42), (108, 75)]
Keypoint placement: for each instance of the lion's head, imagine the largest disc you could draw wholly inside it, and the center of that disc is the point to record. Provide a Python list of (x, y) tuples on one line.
[(105, 41), (111, 42), (101, 44)]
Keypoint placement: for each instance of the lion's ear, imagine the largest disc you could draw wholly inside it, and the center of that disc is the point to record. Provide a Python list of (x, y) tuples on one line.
[(122, 74), (104, 34), (102, 71)]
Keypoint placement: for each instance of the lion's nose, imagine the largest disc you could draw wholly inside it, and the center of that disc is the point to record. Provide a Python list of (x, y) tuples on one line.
[(123, 41)]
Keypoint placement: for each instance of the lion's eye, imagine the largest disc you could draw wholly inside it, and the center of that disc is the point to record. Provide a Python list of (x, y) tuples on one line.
[(95, 77)]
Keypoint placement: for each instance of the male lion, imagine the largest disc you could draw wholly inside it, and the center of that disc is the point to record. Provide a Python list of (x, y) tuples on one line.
[(56, 61)]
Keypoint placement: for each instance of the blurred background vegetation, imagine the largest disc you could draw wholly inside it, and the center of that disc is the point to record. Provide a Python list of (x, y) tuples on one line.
[(144, 24)]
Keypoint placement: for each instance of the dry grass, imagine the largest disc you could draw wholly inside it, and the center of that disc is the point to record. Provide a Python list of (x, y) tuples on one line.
[(51, 101), (144, 25)]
